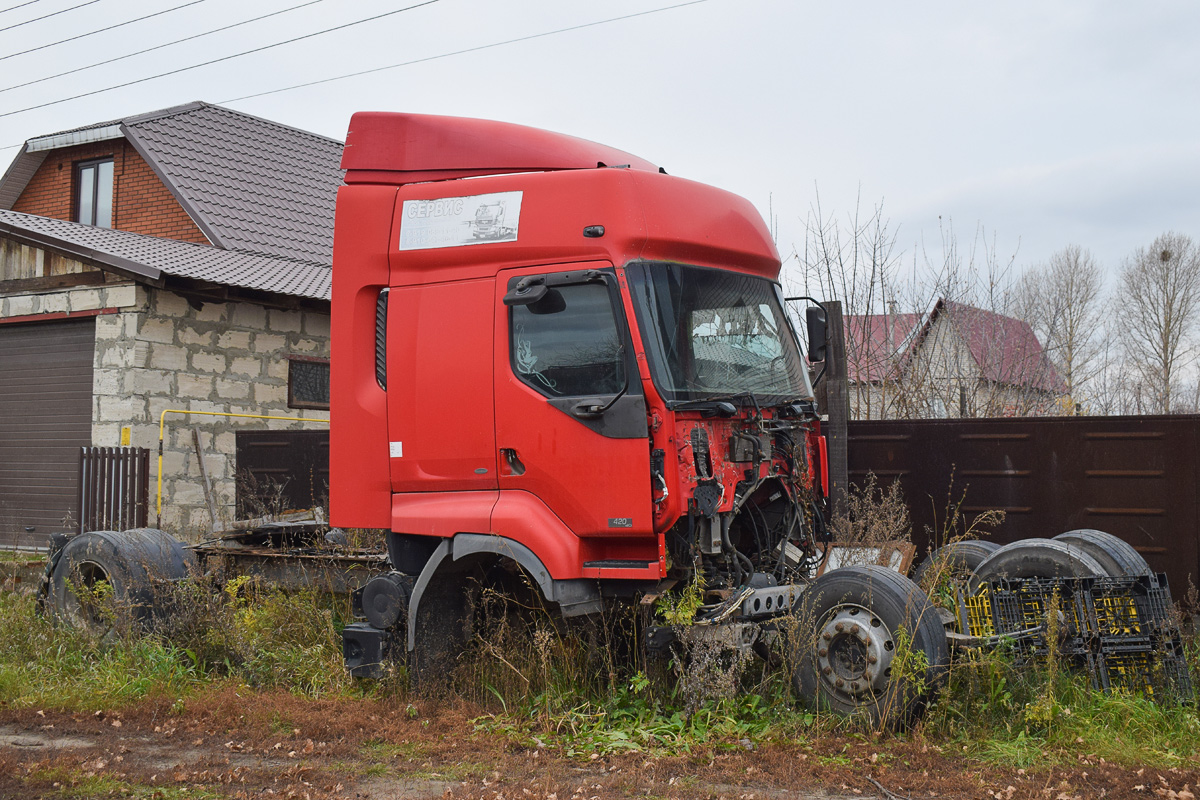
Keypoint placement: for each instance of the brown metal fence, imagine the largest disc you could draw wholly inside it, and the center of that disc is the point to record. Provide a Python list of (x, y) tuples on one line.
[(1135, 477), (114, 488)]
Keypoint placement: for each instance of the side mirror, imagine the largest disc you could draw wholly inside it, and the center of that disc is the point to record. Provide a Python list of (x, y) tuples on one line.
[(814, 318), (535, 295), (527, 292)]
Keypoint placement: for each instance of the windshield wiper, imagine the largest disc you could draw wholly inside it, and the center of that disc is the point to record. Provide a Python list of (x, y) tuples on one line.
[(724, 405), (718, 405)]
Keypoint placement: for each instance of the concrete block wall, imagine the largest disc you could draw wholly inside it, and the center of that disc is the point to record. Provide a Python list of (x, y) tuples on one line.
[(107, 298), (164, 353)]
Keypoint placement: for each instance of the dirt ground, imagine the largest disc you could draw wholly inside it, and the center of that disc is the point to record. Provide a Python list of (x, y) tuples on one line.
[(278, 745)]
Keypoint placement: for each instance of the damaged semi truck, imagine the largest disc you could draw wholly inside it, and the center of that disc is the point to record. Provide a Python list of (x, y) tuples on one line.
[(595, 397), (609, 405)]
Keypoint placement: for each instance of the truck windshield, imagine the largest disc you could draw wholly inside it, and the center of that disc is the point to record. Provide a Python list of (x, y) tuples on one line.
[(711, 333)]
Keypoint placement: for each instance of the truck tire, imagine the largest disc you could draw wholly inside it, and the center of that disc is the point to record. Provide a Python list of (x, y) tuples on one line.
[(1038, 558), (966, 555), (1116, 555), (848, 638), (467, 606), (133, 564)]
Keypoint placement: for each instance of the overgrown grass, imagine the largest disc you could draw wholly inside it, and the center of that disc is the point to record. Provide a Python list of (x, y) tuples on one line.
[(578, 688), (1040, 713), (239, 632), (44, 665), (8, 556)]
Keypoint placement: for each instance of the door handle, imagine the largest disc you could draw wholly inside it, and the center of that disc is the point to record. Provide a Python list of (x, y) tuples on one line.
[(511, 461)]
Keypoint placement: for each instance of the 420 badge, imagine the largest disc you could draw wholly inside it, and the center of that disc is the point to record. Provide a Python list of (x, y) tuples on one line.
[(459, 221)]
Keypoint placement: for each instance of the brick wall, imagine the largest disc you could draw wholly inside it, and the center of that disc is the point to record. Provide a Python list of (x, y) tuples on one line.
[(141, 203)]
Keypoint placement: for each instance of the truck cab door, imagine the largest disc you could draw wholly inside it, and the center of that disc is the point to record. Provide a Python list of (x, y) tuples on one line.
[(570, 412)]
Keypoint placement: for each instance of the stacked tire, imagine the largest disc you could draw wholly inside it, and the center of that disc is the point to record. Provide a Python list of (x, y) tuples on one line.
[(1075, 554), (106, 581)]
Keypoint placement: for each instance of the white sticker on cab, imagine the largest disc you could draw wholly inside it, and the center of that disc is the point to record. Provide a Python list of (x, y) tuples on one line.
[(459, 221), (396, 449)]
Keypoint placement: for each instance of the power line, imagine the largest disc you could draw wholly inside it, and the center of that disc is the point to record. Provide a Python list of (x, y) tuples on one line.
[(19, 5), (46, 16), (158, 46), (101, 30), (219, 60), (461, 52)]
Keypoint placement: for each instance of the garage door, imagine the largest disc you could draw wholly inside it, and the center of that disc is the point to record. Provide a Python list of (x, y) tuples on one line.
[(45, 417)]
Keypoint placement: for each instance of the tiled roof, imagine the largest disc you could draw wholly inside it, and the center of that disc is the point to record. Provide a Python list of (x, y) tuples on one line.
[(1005, 349), (152, 257), (873, 342), (250, 184)]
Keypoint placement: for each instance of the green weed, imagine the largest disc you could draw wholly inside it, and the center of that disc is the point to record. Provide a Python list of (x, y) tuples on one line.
[(83, 783)]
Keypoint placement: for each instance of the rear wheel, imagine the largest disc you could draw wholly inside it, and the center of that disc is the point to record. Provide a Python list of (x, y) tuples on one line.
[(1116, 555), (876, 648), (964, 555)]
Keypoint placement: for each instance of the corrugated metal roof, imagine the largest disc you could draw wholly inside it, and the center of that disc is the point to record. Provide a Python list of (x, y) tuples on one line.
[(254, 184), (151, 257), (250, 184)]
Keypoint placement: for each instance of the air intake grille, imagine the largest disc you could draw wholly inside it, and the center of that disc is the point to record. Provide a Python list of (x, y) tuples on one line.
[(381, 339)]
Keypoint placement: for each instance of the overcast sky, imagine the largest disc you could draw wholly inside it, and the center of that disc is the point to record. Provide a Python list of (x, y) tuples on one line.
[(1045, 123)]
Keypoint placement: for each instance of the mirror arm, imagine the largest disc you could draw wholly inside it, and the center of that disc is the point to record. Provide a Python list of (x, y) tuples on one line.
[(820, 305)]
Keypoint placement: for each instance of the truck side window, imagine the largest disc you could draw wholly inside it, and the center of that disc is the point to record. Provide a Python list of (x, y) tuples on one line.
[(568, 343)]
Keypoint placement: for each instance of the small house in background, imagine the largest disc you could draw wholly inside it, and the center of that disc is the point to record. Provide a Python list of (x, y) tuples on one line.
[(954, 361), (178, 259)]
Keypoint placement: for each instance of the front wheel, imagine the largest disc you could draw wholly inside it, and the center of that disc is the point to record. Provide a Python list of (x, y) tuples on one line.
[(871, 645)]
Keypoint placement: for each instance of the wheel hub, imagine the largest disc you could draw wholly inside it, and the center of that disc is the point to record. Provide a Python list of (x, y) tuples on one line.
[(854, 652)]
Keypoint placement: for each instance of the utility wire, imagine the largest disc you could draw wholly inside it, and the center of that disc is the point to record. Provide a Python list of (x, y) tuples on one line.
[(461, 52), (19, 5), (101, 30), (158, 46), (218, 60), (46, 16)]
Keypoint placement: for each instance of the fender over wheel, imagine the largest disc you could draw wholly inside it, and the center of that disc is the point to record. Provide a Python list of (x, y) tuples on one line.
[(870, 644), (1116, 555)]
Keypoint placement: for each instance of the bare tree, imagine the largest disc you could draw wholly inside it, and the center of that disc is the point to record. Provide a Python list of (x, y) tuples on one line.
[(1061, 302), (854, 261), (1159, 312), (937, 342)]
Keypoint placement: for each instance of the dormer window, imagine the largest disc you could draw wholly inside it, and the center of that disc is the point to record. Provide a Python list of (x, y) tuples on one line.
[(94, 192)]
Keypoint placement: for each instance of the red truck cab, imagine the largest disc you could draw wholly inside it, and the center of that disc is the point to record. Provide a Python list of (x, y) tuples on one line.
[(609, 394)]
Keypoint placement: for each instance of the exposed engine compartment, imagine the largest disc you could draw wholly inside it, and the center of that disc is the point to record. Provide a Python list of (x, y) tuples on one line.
[(755, 512)]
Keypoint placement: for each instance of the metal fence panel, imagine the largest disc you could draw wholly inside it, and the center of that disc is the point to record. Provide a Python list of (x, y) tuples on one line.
[(114, 488), (1134, 477)]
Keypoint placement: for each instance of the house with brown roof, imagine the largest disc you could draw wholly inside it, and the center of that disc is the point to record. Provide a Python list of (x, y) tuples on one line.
[(178, 259), (955, 360)]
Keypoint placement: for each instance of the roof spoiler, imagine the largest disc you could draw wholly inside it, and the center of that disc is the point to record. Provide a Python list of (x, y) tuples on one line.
[(391, 148)]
